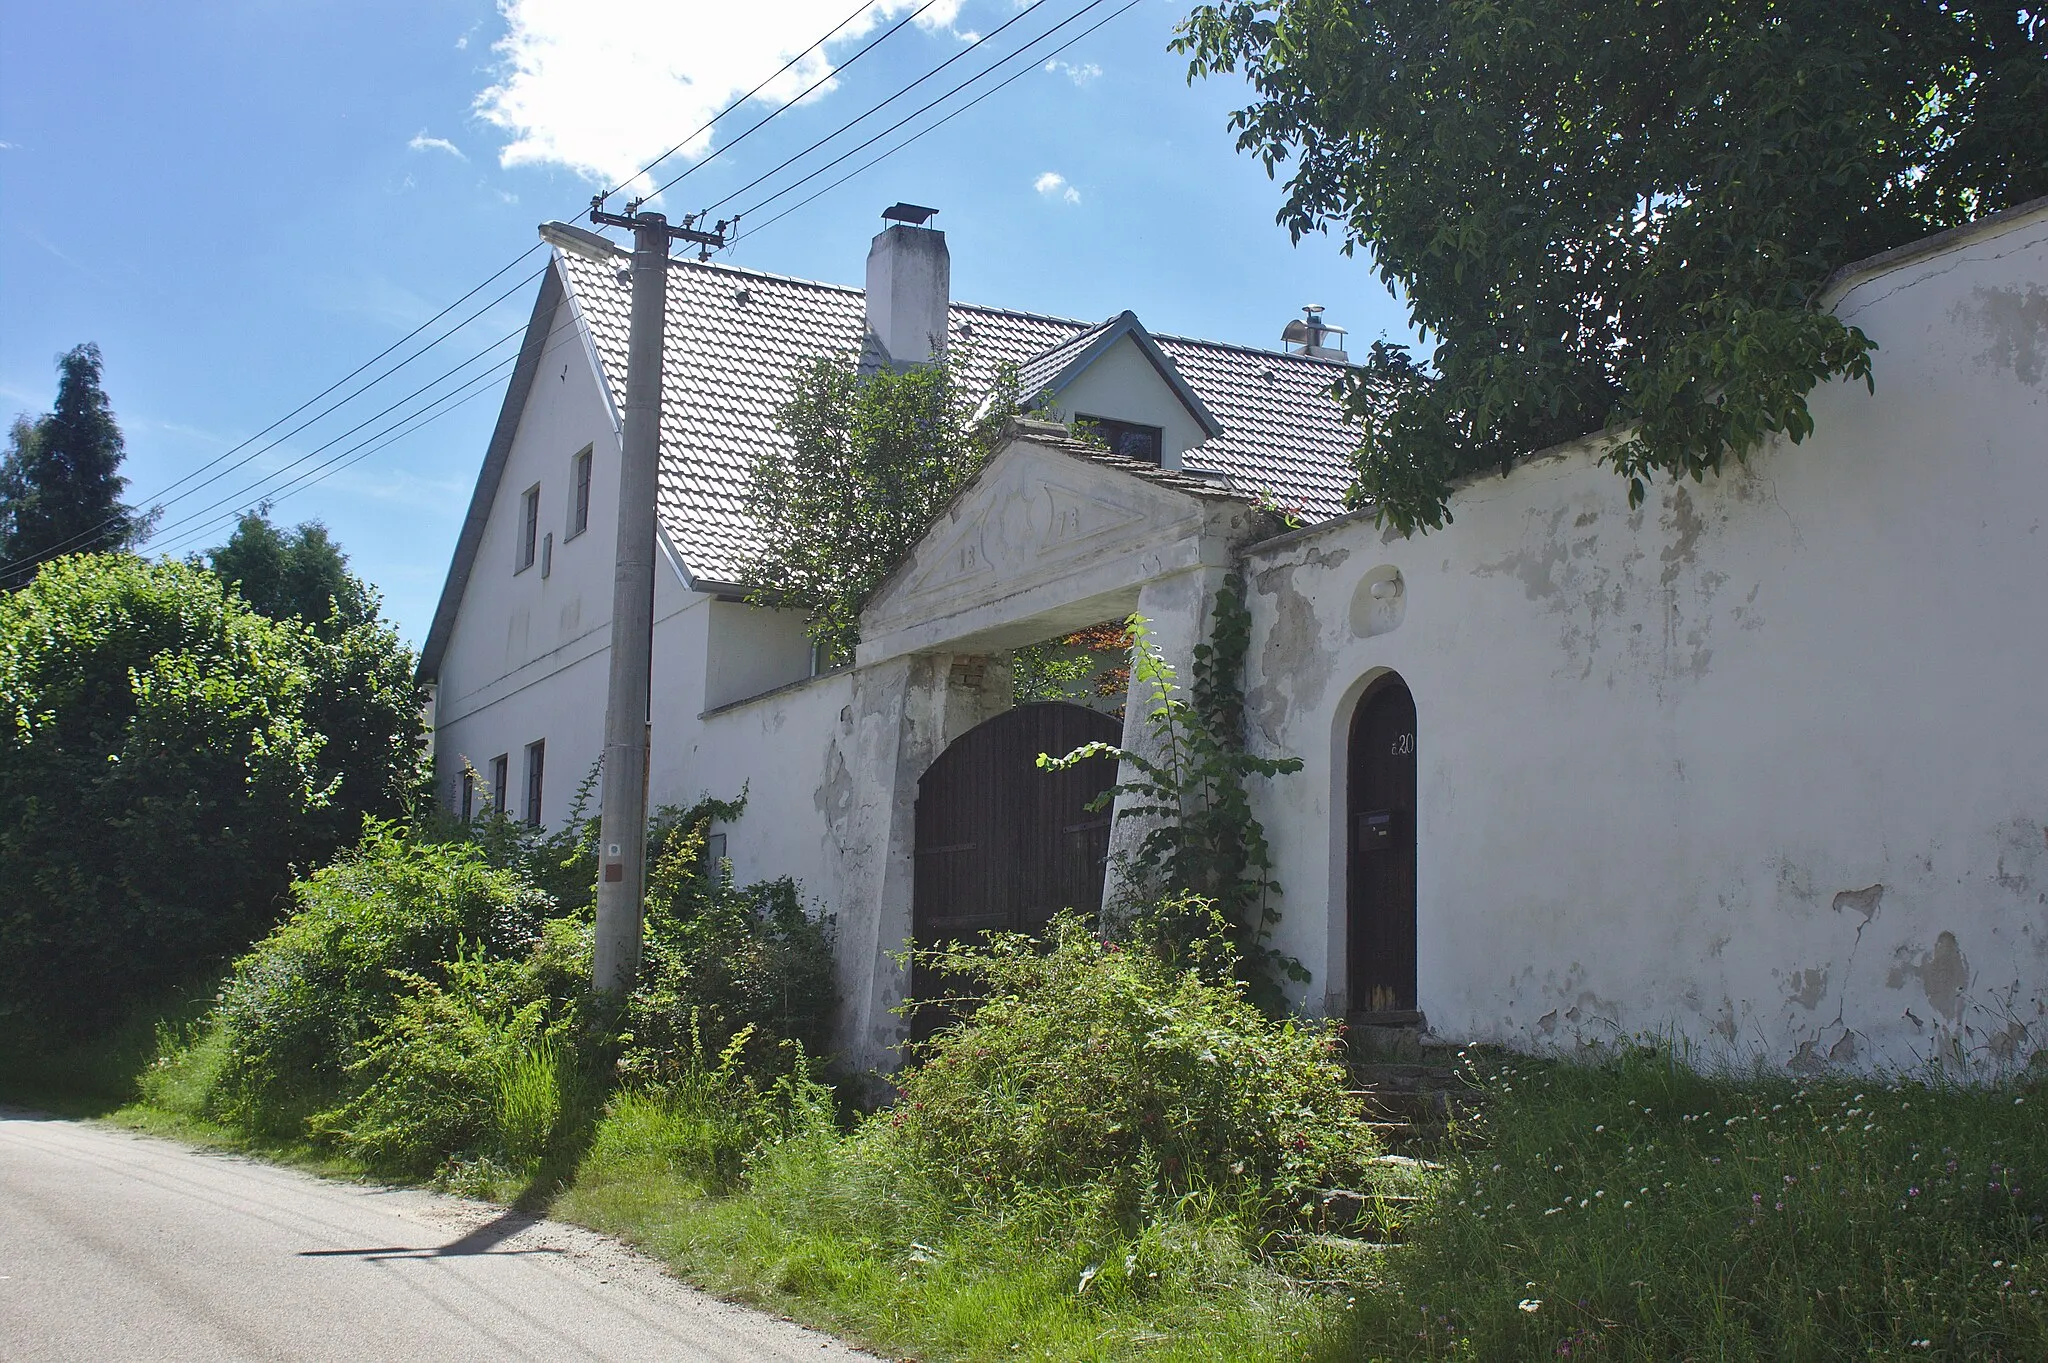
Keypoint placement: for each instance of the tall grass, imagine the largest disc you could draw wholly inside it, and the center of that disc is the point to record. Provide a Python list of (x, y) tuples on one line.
[(1638, 1209)]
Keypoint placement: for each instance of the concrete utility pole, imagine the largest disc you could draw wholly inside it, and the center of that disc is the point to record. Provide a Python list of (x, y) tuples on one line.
[(622, 824)]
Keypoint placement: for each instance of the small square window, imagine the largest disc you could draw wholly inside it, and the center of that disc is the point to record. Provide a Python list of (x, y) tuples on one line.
[(529, 528), (579, 497), (1126, 438)]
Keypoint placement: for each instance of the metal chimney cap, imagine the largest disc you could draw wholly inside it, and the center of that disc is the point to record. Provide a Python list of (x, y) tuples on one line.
[(915, 215)]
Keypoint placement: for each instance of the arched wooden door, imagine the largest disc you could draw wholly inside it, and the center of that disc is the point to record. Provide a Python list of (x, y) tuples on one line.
[(1001, 845), (1381, 859)]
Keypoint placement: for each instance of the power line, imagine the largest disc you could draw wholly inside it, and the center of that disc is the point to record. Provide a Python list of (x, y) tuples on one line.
[(34, 558), (251, 457), (478, 387), (372, 443), (157, 500), (802, 95), (701, 128), (244, 492), (936, 124), (849, 125)]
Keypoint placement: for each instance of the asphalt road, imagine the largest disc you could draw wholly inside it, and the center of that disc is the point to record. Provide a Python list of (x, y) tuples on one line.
[(115, 1246)]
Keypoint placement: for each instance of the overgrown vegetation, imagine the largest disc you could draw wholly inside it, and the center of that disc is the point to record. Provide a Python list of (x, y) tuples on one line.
[(1189, 794), (426, 1009), (1619, 216), (1637, 1209), (865, 464), (167, 756)]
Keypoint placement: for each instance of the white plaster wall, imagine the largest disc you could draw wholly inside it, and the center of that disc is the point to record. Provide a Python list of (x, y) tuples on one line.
[(751, 650), (1763, 763), (786, 749), (526, 655), (1122, 384)]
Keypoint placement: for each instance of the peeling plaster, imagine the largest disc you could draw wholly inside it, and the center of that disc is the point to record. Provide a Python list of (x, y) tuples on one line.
[(2014, 326), (1943, 973), (1864, 901), (1807, 987), (1295, 669)]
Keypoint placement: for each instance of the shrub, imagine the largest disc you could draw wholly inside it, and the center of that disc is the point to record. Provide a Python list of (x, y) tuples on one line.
[(372, 929), (1090, 1063), (469, 1065), (157, 777), (166, 756), (721, 960)]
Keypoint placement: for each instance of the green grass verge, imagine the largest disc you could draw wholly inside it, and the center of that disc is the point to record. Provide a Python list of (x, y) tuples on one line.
[(1632, 1209), (816, 1236)]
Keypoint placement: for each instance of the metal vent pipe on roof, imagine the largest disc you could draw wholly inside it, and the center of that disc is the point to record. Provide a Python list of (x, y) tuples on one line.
[(1309, 335)]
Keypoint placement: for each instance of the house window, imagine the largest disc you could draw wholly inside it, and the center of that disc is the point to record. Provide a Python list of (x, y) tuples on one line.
[(536, 753), (529, 528), (468, 793), (579, 497), (1126, 438), (501, 773)]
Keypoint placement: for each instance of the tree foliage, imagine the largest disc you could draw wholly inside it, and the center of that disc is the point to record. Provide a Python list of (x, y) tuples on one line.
[(867, 462), (1189, 792), (1611, 214), (166, 756), (60, 485), (300, 573), (367, 704)]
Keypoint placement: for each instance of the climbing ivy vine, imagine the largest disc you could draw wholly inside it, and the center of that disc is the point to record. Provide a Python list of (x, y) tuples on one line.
[(1190, 790)]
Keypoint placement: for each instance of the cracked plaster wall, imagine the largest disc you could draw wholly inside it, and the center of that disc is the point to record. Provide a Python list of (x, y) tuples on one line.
[(1762, 763)]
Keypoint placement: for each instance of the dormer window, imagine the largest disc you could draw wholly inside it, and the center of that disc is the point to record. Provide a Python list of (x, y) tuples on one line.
[(1126, 438)]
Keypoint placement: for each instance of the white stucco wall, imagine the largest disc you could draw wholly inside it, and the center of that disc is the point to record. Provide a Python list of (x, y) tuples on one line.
[(1763, 763), (1122, 385), (527, 653)]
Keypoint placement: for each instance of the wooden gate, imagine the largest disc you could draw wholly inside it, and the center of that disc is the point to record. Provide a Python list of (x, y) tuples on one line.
[(1381, 807), (1001, 845)]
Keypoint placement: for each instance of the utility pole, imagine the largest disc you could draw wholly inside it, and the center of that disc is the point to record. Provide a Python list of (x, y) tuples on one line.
[(622, 822)]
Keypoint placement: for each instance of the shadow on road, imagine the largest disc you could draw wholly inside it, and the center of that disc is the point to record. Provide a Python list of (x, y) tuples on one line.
[(485, 1239)]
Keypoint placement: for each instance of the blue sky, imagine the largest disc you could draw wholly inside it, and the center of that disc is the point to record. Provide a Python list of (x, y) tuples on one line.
[(241, 201)]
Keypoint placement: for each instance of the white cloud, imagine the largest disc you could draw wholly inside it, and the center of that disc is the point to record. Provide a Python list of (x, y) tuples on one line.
[(1053, 185), (1080, 75), (10, 146), (422, 142), (602, 87)]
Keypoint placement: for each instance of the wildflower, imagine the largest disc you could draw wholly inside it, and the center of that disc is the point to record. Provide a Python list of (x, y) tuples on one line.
[(1531, 1305)]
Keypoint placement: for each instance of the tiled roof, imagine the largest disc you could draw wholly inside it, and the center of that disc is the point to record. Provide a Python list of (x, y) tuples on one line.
[(737, 337)]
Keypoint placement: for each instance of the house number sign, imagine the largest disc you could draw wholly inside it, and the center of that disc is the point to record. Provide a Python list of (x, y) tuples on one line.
[(1403, 745)]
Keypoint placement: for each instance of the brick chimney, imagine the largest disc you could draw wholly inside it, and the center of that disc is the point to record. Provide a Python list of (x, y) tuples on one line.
[(910, 282)]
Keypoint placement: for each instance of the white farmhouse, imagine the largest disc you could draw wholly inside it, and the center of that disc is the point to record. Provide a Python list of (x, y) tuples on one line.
[(1761, 765)]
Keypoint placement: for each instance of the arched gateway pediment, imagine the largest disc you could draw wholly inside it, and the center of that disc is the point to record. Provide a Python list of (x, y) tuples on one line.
[(1052, 535)]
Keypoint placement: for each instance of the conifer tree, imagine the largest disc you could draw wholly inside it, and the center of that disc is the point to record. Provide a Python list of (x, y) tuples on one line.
[(60, 482)]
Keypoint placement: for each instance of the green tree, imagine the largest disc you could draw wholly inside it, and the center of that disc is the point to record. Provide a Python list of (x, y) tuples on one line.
[(60, 485), (167, 756), (865, 464), (158, 777), (365, 701), (298, 573), (1615, 214)]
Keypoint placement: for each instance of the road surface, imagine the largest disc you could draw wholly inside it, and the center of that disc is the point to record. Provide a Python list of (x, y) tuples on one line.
[(115, 1246)]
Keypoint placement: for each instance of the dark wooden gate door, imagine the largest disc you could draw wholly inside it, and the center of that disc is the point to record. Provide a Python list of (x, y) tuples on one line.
[(1381, 807), (1001, 845)]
